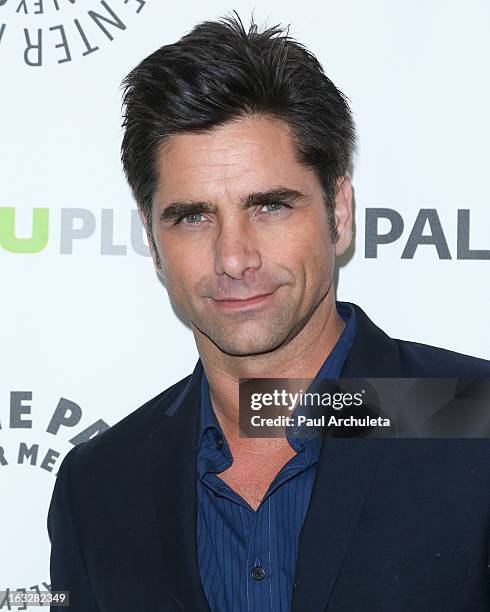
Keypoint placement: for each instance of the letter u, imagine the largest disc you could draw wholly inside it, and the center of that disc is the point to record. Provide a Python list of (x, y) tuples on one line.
[(39, 235)]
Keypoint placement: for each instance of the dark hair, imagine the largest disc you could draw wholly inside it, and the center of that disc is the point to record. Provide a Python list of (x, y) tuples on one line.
[(220, 72)]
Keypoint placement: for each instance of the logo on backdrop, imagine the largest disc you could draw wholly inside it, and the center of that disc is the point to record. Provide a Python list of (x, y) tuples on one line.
[(427, 232), (33, 448), (29, 231), (72, 225), (51, 32)]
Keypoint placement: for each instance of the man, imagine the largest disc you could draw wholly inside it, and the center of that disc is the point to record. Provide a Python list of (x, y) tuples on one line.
[(238, 149)]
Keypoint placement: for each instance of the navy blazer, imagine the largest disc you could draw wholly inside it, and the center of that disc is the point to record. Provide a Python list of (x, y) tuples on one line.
[(393, 525)]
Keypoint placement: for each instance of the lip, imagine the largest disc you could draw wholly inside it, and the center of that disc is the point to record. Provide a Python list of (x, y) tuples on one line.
[(241, 304)]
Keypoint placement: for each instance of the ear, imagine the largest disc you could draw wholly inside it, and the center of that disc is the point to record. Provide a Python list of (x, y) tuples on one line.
[(343, 214), (151, 243)]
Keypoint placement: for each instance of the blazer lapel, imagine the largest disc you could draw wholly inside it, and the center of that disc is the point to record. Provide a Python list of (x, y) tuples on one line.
[(172, 463), (345, 471)]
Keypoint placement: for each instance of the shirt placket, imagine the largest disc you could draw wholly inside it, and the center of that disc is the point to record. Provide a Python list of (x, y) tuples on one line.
[(258, 571)]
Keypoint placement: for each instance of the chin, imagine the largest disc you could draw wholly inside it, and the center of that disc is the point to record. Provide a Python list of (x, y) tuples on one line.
[(246, 346), (245, 351), (251, 338)]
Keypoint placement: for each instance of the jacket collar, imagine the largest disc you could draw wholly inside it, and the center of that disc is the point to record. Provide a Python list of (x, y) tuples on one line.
[(373, 354), (345, 471), (172, 462)]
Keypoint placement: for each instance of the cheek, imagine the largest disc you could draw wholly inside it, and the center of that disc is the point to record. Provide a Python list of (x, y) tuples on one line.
[(182, 268), (303, 243), (315, 256)]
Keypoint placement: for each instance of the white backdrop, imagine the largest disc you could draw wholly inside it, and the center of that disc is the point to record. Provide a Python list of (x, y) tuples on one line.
[(86, 328)]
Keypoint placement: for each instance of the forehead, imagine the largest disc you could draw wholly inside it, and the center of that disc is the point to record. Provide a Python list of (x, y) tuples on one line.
[(244, 155)]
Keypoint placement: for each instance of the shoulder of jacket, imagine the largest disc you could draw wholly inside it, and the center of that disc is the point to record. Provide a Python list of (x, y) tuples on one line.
[(128, 434), (424, 360)]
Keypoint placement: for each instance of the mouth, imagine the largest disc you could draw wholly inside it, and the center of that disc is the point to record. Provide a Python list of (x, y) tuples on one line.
[(234, 304)]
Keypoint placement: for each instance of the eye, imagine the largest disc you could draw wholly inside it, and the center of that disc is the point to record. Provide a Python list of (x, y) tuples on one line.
[(191, 219), (273, 207)]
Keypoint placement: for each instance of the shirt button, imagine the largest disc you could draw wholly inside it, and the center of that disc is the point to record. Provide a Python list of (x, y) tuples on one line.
[(219, 442), (258, 572)]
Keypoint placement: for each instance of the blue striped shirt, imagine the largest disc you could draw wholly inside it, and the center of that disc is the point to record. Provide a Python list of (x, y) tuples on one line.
[(247, 558)]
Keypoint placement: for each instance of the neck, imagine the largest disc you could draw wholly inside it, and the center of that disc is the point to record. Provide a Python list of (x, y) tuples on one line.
[(302, 357)]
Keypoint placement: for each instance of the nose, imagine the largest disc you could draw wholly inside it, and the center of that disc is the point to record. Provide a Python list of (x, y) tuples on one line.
[(236, 251)]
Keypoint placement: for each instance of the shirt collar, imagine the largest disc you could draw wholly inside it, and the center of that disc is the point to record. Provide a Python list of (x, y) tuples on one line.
[(331, 368)]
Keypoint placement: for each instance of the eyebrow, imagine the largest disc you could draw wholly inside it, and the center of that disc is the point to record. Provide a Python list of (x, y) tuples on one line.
[(256, 198)]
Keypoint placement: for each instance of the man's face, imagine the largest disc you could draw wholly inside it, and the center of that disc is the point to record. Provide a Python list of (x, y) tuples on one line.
[(242, 234)]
